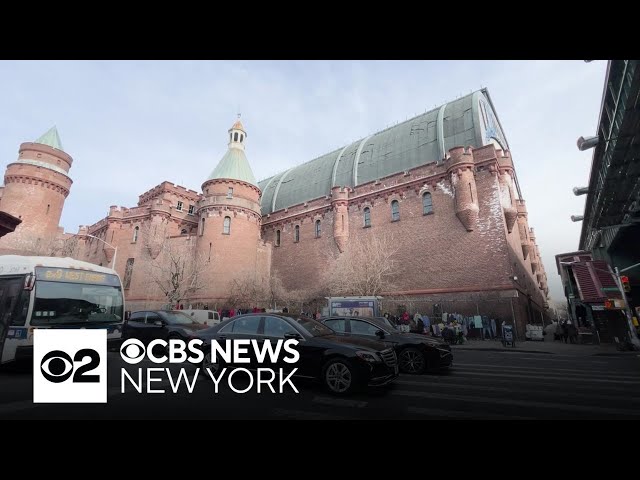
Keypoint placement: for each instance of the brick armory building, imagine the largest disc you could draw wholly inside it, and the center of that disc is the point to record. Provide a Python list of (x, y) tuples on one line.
[(443, 185)]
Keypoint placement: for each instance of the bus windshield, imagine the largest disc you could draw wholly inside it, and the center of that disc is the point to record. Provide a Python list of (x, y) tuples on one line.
[(70, 303)]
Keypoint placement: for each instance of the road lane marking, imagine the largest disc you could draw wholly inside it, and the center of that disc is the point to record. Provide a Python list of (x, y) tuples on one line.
[(340, 402), (458, 414), (516, 403), (563, 378), (609, 398), (469, 367), (282, 412)]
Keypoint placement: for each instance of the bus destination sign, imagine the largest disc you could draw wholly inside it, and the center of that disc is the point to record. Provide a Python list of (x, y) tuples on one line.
[(71, 275)]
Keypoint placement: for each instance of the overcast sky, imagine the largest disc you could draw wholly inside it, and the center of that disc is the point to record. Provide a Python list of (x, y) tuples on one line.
[(130, 125)]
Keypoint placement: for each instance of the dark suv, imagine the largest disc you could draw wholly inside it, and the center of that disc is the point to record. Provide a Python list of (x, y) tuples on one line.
[(149, 325), (416, 353), (342, 364)]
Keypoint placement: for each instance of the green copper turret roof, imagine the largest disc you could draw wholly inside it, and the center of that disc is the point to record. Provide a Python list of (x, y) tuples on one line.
[(51, 138), (234, 165)]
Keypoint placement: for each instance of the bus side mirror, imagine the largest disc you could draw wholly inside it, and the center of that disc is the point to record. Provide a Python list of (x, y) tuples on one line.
[(127, 315)]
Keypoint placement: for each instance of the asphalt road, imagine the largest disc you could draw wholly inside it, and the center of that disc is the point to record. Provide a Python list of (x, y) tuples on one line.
[(481, 385)]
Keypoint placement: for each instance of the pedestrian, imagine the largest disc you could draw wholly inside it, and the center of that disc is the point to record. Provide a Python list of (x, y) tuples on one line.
[(565, 331)]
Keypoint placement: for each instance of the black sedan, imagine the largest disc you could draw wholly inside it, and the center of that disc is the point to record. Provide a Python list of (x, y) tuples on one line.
[(160, 324), (341, 364), (416, 353)]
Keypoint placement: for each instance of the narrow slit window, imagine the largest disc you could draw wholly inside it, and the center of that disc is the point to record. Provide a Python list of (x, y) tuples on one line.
[(427, 204), (367, 217), (227, 226), (395, 211)]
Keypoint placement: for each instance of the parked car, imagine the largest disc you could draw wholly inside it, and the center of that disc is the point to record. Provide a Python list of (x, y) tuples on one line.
[(416, 353), (205, 317), (342, 364), (149, 325)]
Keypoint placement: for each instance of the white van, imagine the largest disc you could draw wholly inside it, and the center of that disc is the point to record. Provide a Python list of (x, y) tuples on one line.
[(205, 317)]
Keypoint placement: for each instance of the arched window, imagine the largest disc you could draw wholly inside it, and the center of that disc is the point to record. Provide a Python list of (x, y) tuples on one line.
[(318, 228), (227, 226), (296, 234), (235, 137), (241, 137), (135, 234), (202, 226), (183, 231), (367, 217), (277, 238), (427, 205), (395, 211)]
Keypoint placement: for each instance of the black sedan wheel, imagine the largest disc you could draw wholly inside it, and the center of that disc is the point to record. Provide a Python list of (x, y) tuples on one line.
[(207, 362), (412, 360), (338, 376)]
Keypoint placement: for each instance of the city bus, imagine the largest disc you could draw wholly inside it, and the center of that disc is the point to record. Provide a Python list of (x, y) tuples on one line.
[(51, 292)]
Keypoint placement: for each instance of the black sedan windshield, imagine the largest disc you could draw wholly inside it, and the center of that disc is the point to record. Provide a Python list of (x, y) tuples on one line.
[(313, 328), (178, 318)]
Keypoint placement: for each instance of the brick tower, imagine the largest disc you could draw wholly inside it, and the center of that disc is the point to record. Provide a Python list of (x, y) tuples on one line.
[(460, 167), (229, 218), (35, 188)]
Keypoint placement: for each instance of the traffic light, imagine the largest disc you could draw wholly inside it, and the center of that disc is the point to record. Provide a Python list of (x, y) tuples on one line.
[(625, 283)]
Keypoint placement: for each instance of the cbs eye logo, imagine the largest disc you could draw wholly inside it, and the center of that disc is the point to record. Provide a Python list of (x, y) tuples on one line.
[(132, 351), (57, 367)]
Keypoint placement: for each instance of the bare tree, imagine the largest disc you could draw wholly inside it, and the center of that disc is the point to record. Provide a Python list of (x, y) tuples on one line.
[(366, 267), (246, 291), (561, 310), (45, 247), (70, 247), (172, 263)]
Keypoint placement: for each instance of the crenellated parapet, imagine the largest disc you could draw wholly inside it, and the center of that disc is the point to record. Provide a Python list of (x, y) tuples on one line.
[(168, 188)]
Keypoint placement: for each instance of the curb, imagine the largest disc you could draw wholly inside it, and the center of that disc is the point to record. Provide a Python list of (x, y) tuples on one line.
[(516, 350), (501, 350), (616, 354)]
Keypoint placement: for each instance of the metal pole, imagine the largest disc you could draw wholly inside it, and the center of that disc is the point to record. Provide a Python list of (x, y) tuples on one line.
[(513, 316), (113, 263), (629, 268), (627, 311)]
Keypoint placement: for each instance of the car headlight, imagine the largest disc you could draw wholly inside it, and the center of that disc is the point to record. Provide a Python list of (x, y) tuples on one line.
[(368, 357)]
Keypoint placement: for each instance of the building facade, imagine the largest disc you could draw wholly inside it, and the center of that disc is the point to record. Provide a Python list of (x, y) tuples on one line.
[(611, 220), (441, 186)]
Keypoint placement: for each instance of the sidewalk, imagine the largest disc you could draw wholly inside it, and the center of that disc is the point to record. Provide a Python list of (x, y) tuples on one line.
[(605, 349)]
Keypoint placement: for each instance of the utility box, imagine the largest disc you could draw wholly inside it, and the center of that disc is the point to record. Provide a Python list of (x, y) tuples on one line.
[(354, 306)]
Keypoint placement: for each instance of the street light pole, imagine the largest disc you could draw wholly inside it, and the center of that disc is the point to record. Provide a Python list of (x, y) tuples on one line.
[(115, 249)]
